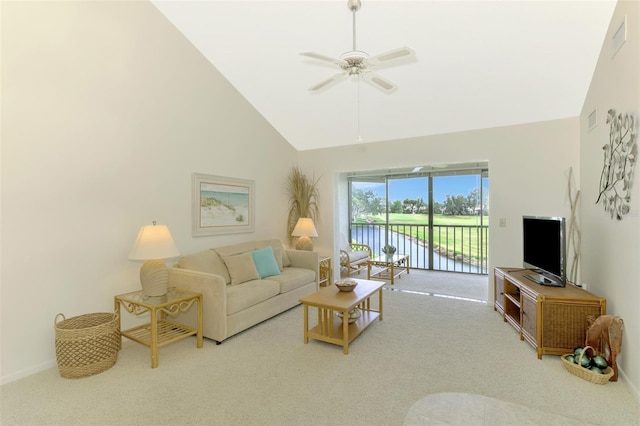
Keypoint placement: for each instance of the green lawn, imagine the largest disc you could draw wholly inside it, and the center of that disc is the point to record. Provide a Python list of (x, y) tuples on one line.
[(423, 219), (465, 242)]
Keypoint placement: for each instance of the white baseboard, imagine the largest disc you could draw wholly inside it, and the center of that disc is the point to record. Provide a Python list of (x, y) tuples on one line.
[(27, 372), (625, 379)]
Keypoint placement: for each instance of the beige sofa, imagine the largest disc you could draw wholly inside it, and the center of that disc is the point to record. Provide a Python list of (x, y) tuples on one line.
[(234, 297)]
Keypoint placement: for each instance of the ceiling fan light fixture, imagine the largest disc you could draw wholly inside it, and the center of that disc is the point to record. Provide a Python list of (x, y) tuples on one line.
[(355, 55), (357, 62)]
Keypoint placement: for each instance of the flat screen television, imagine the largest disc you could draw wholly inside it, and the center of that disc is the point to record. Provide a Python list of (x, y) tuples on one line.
[(544, 245)]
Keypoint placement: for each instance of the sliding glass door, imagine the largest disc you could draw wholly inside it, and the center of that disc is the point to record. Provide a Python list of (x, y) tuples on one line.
[(438, 218)]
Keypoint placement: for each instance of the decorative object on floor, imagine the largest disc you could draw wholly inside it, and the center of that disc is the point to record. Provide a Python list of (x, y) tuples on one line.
[(574, 234), (353, 316), (153, 244), (221, 205), (86, 344), (605, 333), (580, 364), (303, 230), (303, 199), (620, 156), (388, 250), (358, 63), (346, 285)]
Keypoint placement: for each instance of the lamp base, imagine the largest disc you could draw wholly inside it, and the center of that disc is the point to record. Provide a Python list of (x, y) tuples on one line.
[(304, 243), (154, 278)]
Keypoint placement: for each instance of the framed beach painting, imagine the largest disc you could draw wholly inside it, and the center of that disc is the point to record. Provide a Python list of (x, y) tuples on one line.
[(222, 205)]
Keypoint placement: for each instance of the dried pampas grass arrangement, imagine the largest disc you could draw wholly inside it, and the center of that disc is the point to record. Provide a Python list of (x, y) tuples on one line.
[(303, 199)]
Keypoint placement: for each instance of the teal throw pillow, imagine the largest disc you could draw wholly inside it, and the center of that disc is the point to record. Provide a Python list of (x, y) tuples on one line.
[(265, 262)]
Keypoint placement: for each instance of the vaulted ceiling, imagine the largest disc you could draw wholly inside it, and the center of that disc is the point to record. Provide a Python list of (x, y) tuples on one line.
[(479, 64)]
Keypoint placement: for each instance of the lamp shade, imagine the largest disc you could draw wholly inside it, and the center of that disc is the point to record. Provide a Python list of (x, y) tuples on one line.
[(153, 242), (304, 228)]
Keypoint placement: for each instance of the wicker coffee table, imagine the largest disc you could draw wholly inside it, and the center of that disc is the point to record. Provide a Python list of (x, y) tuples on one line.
[(392, 267), (330, 301)]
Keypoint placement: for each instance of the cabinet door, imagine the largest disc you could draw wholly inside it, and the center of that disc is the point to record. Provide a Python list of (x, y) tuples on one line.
[(498, 301), (528, 319)]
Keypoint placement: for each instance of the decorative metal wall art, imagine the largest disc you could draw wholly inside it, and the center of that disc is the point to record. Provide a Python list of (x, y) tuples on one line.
[(620, 156), (574, 234)]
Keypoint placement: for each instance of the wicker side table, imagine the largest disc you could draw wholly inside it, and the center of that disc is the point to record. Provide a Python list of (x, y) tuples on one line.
[(325, 271), (160, 331)]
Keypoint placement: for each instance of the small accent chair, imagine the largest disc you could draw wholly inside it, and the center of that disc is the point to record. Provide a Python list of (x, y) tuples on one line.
[(353, 256)]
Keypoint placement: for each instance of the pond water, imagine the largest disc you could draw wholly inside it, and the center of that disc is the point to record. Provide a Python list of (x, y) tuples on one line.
[(417, 251)]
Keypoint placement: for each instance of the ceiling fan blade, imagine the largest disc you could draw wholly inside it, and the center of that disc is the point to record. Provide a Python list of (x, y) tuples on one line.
[(378, 82), (390, 57), (325, 58), (336, 78)]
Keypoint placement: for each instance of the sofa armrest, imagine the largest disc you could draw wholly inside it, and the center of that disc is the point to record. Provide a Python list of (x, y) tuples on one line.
[(305, 259), (214, 300)]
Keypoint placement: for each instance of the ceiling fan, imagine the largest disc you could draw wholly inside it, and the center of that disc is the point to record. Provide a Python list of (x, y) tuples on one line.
[(359, 63)]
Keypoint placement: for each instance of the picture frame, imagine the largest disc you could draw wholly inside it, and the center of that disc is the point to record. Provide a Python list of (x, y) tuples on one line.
[(222, 205)]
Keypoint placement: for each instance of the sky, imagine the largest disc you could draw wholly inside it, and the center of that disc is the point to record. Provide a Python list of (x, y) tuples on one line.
[(401, 189)]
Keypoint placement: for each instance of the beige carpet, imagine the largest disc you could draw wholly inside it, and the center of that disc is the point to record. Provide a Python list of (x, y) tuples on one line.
[(452, 408), (267, 376), (471, 287)]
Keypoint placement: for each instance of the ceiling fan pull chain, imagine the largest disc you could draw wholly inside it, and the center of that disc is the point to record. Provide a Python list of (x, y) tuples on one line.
[(359, 136)]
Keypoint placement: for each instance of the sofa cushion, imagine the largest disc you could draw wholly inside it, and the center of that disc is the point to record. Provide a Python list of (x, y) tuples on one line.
[(205, 261), (286, 261), (246, 247), (292, 278), (247, 294), (281, 254), (265, 262), (254, 245), (277, 253), (241, 268)]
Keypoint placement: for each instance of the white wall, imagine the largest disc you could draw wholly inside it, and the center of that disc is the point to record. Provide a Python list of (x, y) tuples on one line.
[(611, 248), (106, 112), (528, 171)]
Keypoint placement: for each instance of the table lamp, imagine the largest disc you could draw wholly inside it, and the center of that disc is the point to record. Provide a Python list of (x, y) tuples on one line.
[(303, 230), (153, 244)]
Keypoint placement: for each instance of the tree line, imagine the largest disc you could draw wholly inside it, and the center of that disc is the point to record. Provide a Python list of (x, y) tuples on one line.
[(367, 202)]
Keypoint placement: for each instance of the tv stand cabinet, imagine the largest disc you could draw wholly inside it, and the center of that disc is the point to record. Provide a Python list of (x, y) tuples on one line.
[(552, 319)]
